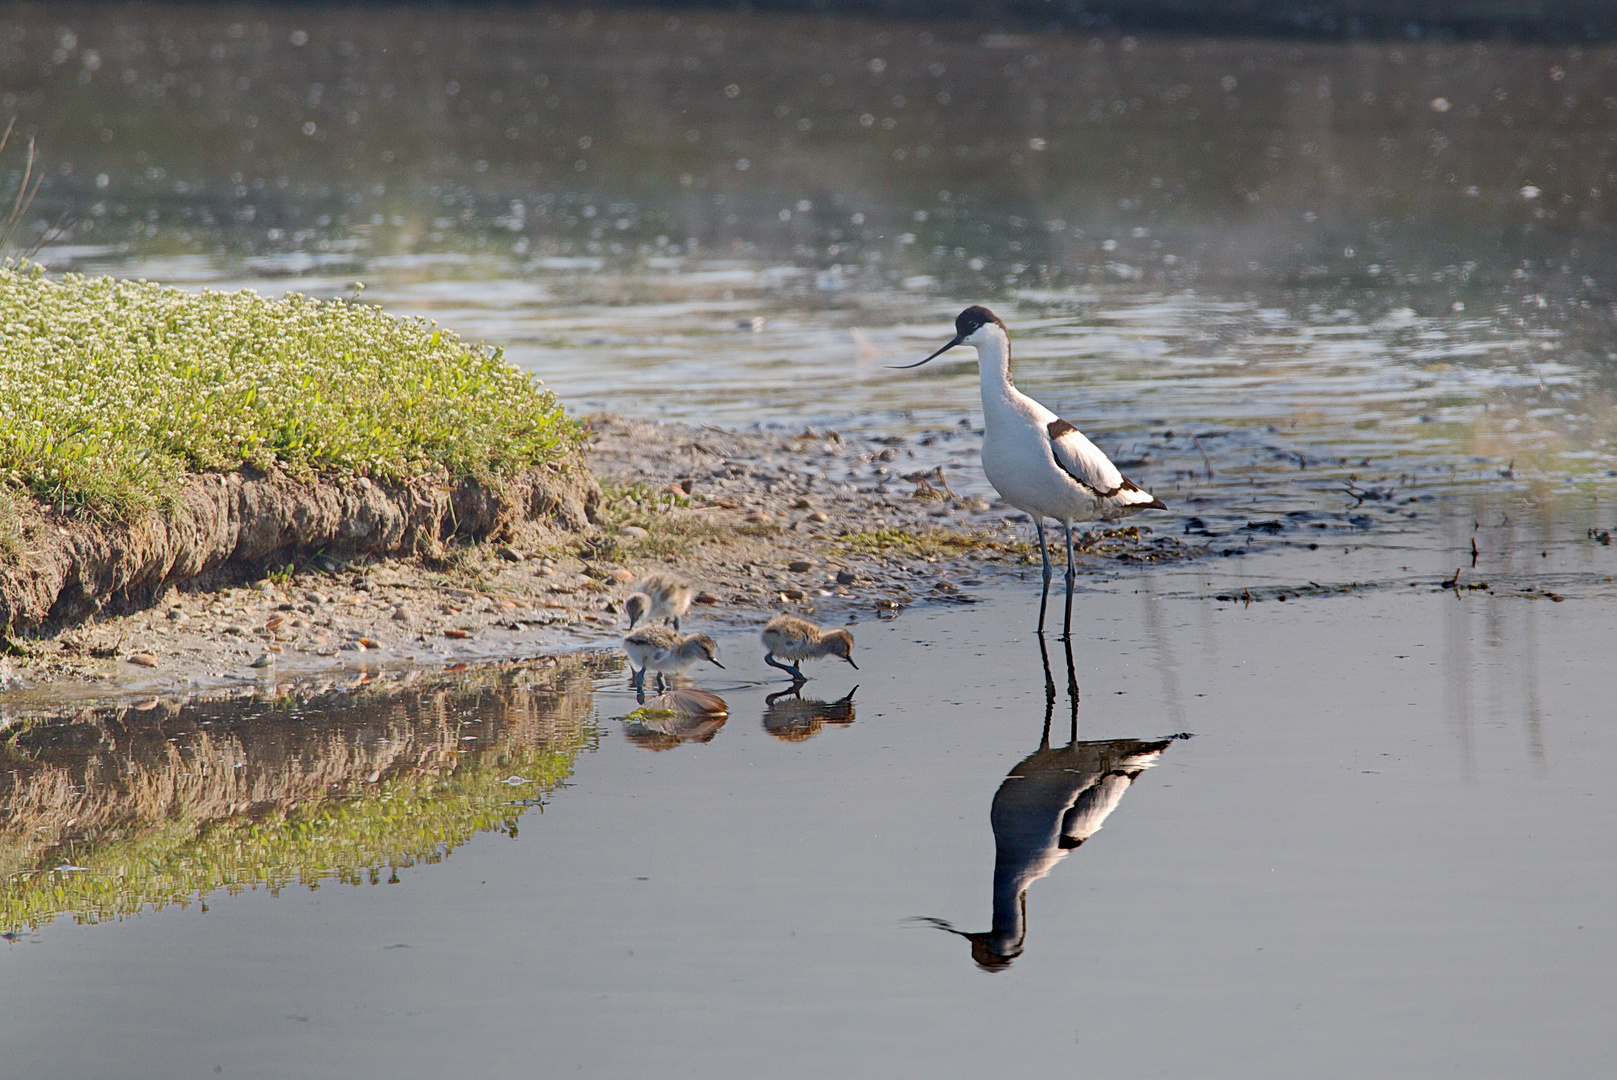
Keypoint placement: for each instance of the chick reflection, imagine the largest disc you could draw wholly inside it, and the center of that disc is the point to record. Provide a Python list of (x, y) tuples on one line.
[(679, 716), (790, 717), (1052, 801)]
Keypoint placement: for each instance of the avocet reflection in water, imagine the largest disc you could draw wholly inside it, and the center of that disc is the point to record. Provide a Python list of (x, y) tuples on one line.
[(791, 717), (1051, 802)]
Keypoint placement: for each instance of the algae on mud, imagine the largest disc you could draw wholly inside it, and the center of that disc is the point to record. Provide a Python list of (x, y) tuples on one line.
[(111, 812)]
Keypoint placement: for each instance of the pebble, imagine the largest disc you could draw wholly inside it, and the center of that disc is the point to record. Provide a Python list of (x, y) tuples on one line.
[(622, 575), (706, 598), (819, 517), (457, 634), (635, 531), (236, 630), (799, 566), (263, 660), (143, 659), (402, 614), (759, 515), (177, 615), (793, 594), (509, 553)]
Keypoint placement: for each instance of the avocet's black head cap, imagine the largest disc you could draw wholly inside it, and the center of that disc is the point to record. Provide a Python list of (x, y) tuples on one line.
[(967, 323), (974, 318)]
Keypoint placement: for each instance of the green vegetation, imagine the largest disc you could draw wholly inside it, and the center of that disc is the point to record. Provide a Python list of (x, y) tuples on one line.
[(935, 543), (111, 391)]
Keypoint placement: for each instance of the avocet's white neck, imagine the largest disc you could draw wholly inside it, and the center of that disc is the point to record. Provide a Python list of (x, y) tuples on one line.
[(994, 365)]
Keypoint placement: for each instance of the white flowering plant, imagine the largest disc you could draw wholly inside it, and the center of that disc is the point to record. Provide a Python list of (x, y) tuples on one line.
[(111, 391)]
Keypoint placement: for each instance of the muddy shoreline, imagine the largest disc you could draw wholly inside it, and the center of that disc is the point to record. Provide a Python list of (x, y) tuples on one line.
[(816, 523)]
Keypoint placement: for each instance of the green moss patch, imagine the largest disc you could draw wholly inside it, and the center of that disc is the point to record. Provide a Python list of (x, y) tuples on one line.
[(111, 391)]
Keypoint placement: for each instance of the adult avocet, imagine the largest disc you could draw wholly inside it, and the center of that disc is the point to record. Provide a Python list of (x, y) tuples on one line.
[(1038, 462)]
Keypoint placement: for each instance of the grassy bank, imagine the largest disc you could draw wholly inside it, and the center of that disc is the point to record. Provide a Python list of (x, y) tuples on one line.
[(111, 391)]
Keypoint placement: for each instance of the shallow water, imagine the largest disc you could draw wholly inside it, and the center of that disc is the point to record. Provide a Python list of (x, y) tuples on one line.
[(1345, 307), (1381, 852)]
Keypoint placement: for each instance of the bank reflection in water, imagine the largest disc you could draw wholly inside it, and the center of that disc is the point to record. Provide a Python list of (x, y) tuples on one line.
[(1051, 802), (682, 715), (111, 810), (790, 717)]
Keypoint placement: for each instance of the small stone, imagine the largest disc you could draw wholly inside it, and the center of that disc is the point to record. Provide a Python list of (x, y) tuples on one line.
[(802, 504), (799, 566), (274, 622), (276, 649), (634, 531), (352, 646), (236, 630), (819, 517), (759, 516), (143, 659), (177, 615), (622, 576), (370, 643), (263, 660), (457, 634), (706, 598), (793, 594), (402, 614), (146, 704), (846, 577), (509, 553)]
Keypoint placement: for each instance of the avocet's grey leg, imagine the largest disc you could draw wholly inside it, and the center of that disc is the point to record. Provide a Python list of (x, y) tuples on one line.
[(1072, 576), (790, 669), (1044, 550)]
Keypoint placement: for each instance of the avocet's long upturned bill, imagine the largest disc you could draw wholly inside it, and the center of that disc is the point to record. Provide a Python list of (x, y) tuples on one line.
[(1038, 462)]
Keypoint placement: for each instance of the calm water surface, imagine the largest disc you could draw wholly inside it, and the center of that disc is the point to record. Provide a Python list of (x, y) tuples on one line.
[(1381, 853), (1347, 307)]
